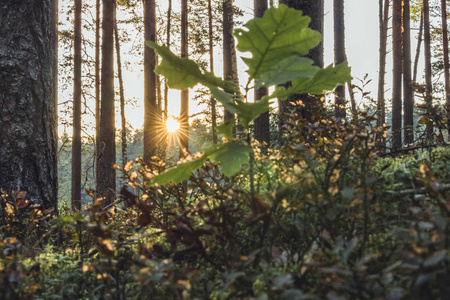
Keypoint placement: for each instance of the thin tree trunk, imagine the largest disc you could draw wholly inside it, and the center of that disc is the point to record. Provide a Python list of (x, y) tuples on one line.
[(122, 98), (76, 137), (419, 45), (446, 62), (97, 81), (184, 107), (150, 101), (262, 123), (408, 97), (339, 54), (166, 87), (381, 105), (351, 94), (106, 174), (397, 75), (28, 139), (228, 43), (428, 79), (211, 69)]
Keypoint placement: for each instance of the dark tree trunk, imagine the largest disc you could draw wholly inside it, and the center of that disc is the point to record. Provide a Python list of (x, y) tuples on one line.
[(428, 79), (446, 62), (313, 9), (122, 97), (228, 47), (28, 136), (211, 69), (383, 15), (184, 107), (106, 174), (397, 75), (150, 105), (408, 97), (97, 80), (339, 54), (262, 123), (76, 137)]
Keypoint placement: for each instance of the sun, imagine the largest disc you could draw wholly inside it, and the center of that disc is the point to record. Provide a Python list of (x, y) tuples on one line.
[(172, 124)]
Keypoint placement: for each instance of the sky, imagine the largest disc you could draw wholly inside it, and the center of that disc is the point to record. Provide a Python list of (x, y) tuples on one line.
[(362, 43)]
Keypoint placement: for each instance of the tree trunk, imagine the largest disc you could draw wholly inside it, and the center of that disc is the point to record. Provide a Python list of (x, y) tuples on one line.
[(381, 105), (262, 123), (97, 81), (419, 45), (428, 79), (446, 62), (184, 107), (76, 137), (106, 174), (122, 97), (408, 97), (228, 45), (150, 105), (313, 9), (211, 69), (28, 136), (339, 54), (397, 75)]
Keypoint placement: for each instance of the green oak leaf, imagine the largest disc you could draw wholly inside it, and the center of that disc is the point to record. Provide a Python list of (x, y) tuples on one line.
[(285, 70), (324, 80), (248, 111), (282, 32), (231, 156), (179, 173), (226, 129), (183, 73)]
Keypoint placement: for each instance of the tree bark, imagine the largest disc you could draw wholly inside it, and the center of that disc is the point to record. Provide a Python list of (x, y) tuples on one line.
[(76, 137), (28, 136), (397, 75), (184, 107), (381, 104), (122, 96), (446, 62), (408, 96), (106, 174), (262, 123), (228, 47), (97, 81), (428, 79), (313, 9), (339, 54), (150, 105), (419, 45), (211, 69)]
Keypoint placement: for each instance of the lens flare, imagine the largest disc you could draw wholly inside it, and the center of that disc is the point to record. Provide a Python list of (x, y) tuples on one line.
[(172, 125)]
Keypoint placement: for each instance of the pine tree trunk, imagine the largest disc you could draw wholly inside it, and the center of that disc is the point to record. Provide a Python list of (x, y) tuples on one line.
[(122, 97), (381, 105), (408, 96), (28, 136), (76, 137), (419, 45), (446, 62), (397, 75), (262, 123), (428, 79), (97, 81), (313, 9), (150, 103), (211, 69), (184, 107), (106, 174), (228, 44), (339, 54)]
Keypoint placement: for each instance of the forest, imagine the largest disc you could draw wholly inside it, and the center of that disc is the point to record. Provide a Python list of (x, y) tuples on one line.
[(204, 149)]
